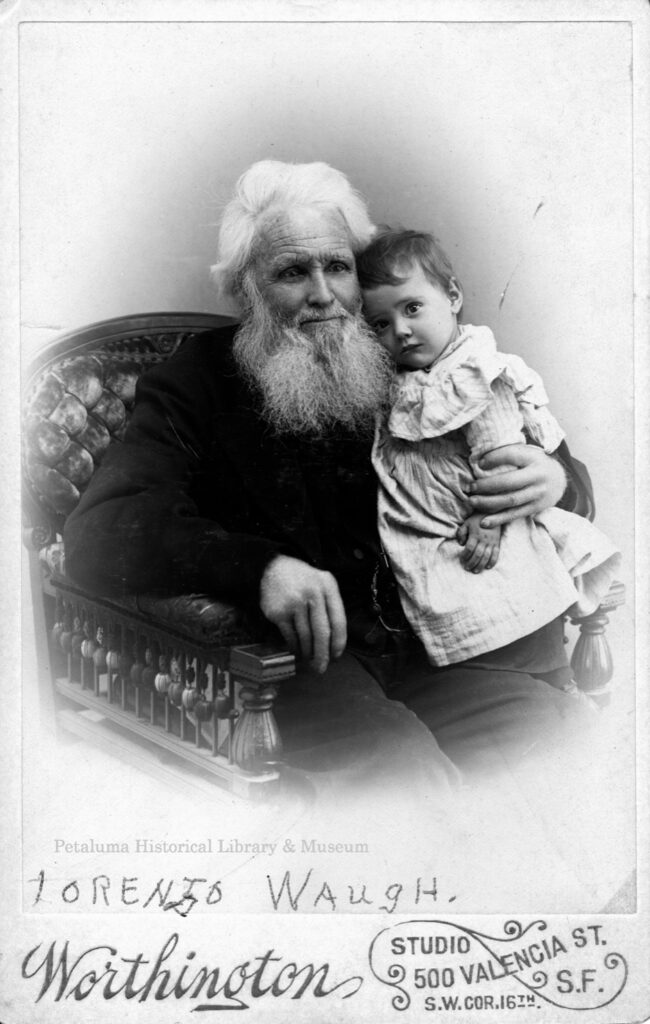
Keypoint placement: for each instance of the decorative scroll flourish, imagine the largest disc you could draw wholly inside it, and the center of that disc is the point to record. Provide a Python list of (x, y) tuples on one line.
[(397, 973)]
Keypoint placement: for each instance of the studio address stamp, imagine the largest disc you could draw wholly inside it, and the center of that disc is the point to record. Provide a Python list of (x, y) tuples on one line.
[(438, 965)]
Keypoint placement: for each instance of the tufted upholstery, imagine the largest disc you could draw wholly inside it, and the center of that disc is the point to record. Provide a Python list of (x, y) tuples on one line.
[(77, 407), (79, 395), (77, 401)]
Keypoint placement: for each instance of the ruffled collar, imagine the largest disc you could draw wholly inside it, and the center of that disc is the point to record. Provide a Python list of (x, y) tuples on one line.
[(457, 387), (471, 343), (449, 393)]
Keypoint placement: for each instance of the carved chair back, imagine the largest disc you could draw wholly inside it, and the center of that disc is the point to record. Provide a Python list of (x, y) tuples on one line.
[(78, 396)]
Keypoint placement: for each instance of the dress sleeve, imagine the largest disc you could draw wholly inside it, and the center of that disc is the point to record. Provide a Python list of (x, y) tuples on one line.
[(137, 528), (500, 423)]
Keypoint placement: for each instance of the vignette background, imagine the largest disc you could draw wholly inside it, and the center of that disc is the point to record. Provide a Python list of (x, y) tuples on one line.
[(512, 140)]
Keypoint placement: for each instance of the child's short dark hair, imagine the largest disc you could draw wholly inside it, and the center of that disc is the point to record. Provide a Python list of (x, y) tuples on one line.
[(392, 250)]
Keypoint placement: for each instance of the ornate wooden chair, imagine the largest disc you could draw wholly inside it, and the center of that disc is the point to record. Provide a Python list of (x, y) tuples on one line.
[(180, 675)]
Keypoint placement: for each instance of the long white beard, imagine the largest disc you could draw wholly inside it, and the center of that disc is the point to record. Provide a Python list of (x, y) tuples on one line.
[(338, 374)]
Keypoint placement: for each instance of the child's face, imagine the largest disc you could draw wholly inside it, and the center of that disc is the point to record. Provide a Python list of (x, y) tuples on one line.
[(414, 321)]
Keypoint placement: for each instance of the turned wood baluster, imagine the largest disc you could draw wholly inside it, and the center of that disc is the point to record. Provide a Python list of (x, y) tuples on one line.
[(88, 648), (162, 682), (224, 705), (592, 659), (176, 688), (65, 636), (70, 635), (186, 693), (204, 708), (124, 663), (257, 744), (195, 699), (99, 660), (74, 657), (57, 628), (112, 661), (135, 674), (148, 677), (180, 677)]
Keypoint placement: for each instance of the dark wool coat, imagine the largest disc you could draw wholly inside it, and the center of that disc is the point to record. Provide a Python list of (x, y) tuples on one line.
[(201, 494)]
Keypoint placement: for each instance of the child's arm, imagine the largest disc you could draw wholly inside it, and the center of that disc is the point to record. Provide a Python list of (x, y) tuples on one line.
[(536, 476), (498, 426)]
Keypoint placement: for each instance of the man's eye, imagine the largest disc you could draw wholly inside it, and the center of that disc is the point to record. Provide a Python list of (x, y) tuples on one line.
[(338, 267), (289, 272), (413, 307)]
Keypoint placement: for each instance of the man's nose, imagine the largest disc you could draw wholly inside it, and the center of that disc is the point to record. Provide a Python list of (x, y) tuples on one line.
[(320, 293)]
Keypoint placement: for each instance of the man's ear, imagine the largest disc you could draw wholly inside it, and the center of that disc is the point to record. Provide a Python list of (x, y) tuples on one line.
[(455, 293)]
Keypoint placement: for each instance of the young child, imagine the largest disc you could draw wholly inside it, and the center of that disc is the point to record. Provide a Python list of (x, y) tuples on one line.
[(454, 398)]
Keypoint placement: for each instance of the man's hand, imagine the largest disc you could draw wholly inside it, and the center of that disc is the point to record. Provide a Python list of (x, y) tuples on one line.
[(306, 606), (481, 544), (535, 482)]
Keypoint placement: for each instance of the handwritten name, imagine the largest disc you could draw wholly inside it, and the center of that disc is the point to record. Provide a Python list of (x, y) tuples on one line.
[(291, 891), (308, 892), (178, 895)]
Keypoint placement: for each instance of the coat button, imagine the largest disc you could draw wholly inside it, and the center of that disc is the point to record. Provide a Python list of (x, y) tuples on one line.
[(358, 553)]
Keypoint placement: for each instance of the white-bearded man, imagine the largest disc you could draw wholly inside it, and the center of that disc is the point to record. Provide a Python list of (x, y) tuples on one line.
[(245, 474)]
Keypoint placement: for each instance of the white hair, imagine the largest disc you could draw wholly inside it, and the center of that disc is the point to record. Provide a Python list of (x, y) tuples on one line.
[(269, 185)]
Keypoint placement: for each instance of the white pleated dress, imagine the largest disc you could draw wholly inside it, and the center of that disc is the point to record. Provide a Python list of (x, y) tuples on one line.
[(442, 420)]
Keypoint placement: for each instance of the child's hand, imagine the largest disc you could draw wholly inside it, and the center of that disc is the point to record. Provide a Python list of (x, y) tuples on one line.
[(481, 544)]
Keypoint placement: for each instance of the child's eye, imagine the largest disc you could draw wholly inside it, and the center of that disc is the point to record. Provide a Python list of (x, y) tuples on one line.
[(412, 307), (379, 325)]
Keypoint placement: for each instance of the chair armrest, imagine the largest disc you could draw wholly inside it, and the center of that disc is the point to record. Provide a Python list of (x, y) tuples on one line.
[(176, 671)]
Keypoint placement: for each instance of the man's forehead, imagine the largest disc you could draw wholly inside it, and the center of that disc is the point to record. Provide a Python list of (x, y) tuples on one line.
[(304, 234), (304, 252)]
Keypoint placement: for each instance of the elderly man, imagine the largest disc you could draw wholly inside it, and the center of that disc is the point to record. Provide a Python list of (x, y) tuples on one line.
[(245, 474)]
